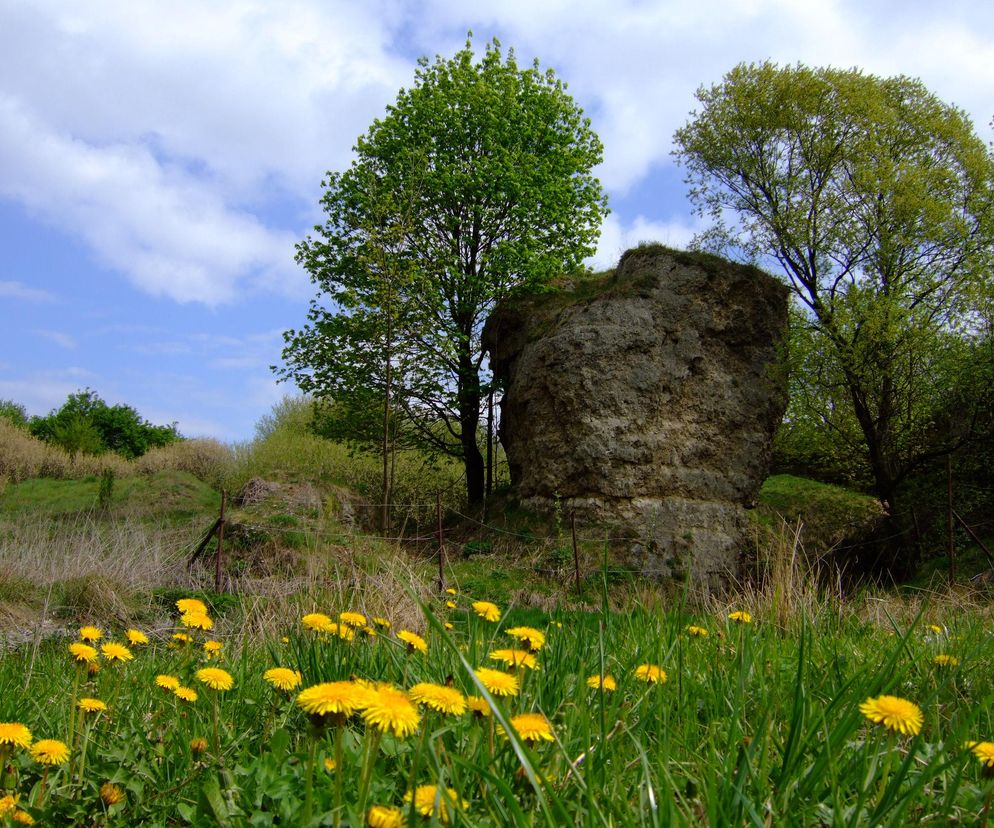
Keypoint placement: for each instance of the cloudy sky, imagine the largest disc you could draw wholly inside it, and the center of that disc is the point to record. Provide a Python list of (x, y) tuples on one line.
[(158, 160)]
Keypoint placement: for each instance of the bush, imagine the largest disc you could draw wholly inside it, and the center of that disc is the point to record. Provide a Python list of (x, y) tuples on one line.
[(207, 460)]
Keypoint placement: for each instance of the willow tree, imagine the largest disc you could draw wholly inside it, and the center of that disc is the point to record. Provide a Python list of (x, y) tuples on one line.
[(480, 177), (874, 198)]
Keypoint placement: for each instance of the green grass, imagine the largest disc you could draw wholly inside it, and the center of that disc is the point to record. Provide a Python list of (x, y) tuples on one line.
[(170, 495), (755, 725)]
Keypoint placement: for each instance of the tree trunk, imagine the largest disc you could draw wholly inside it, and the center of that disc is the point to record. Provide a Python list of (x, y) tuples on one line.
[(469, 421), (387, 493)]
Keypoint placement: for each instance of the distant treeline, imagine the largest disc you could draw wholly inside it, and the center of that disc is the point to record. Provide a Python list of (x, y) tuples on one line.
[(85, 424)]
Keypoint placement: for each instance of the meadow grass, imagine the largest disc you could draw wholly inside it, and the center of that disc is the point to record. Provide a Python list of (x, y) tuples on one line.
[(755, 724)]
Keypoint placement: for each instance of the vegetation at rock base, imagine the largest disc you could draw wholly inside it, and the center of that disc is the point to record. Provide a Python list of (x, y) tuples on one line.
[(760, 716)]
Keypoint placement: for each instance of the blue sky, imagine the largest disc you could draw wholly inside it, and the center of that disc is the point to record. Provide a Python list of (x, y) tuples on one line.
[(158, 160)]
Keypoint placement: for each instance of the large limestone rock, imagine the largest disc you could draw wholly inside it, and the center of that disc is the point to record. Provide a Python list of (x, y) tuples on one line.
[(647, 400)]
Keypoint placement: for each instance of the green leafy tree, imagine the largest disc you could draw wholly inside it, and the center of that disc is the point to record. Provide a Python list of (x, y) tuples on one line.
[(475, 183), (77, 435), (874, 199)]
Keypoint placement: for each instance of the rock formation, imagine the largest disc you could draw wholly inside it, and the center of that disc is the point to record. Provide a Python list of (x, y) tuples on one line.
[(647, 400)]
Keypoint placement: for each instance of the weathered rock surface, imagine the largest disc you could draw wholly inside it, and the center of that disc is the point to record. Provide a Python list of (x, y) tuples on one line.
[(648, 400)]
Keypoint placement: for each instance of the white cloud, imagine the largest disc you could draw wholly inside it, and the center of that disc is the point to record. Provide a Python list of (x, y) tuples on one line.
[(154, 131), (635, 66), (167, 135), (617, 237), (168, 231), (18, 290), (61, 339)]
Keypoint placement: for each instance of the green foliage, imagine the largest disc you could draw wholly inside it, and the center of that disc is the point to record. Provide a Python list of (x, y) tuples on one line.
[(875, 200), (475, 183), (74, 433), (85, 424), (14, 412), (293, 413), (106, 491)]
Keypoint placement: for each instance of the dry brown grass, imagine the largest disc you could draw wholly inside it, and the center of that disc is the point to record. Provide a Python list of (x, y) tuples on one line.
[(23, 456), (207, 460)]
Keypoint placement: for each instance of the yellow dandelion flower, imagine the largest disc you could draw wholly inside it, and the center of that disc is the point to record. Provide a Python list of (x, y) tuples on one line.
[(936, 629), (215, 678), (946, 660), (167, 682), (607, 683), (50, 752), (497, 682), (113, 651), (283, 678), (894, 713), (534, 638), (353, 619), (187, 694), (182, 637), (14, 733), (23, 818), (136, 638), (487, 611), (451, 604), (186, 605), (7, 804), (650, 673), (111, 794), (198, 745), (369, 632), (413, 641), (697, 632), (330, 764), (318, 622), (740, 617), (82, 652), (382, 622), (390, 709), (381, 816), (343, 631), (984, 751), (342, 698), (442, 699), (515, 658), (531, 727), (430, 800), (448, 625), (88, 705), (212, 648), (197, 621), (478, 706), (92, 668), (90, 634), (451, 591)]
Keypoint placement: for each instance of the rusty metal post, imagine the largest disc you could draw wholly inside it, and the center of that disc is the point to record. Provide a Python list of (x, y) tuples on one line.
[(950, 526)]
